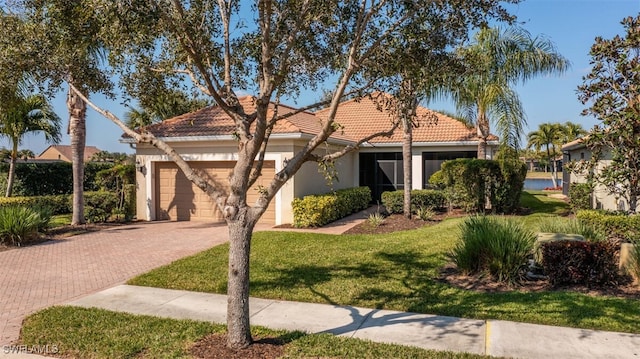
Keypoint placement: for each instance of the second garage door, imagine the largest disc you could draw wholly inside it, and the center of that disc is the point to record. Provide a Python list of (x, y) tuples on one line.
[(179, 199)]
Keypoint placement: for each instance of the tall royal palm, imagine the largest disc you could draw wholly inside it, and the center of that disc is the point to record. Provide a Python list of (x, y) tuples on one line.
[(549, 135), (27, 115), (497, 61)]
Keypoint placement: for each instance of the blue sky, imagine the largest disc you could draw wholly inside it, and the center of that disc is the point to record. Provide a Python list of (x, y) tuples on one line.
[(571, 24)]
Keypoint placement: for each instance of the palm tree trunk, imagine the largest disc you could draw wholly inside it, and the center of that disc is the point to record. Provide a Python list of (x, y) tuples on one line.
[(553, 167), (483, 130), (77, 131), (12, 169)]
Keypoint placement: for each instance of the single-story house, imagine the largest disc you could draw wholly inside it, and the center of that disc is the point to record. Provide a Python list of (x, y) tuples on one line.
[(63, 153), (577, 151), (205, 139)]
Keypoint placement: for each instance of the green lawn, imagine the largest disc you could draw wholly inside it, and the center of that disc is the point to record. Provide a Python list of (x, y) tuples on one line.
[(96, 333), (396, 271)]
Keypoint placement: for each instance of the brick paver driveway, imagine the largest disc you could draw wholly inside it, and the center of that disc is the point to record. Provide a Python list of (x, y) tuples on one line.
[(55, 272)]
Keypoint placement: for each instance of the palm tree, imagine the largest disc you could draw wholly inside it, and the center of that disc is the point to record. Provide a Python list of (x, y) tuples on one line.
[(167, 104), (572, 131), (549, 135), (497, 60), (27, 115)]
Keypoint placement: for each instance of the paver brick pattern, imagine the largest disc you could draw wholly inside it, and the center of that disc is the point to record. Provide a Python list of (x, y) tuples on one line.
[(55, 272)]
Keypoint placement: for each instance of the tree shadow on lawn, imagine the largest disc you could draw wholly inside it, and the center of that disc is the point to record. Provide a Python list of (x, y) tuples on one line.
[(536, 205)]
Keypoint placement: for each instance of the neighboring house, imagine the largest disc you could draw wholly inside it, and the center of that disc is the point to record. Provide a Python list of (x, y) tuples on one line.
[(205, 139), (576, 151), (63, 153)]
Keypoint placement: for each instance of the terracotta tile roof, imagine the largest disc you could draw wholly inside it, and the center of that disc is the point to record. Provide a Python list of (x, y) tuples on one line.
[(213, 121), (359, 118), (365, 116)]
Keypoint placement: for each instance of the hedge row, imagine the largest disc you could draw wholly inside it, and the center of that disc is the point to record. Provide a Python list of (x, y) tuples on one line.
[(43, 179), (420, 198), (99, 205), (581, 262), (617, 225), (318, 210)]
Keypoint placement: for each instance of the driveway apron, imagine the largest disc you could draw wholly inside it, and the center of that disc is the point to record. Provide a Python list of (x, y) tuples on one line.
[(55, 272)]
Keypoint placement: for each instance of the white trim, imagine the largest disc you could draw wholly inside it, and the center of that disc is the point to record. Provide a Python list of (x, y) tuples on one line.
[(275, 136)]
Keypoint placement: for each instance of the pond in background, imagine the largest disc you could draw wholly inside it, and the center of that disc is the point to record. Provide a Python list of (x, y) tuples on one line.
[(540, 183)]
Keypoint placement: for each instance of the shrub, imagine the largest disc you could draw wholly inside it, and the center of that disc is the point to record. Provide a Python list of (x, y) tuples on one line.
[(19, 224), (580, 196), (393, 201), (425, 213), (571, 226), (497, 245), (615, 225), (99, 206), (375, 219), (318, 210), (469, 182), (578, 262), (58, 204)]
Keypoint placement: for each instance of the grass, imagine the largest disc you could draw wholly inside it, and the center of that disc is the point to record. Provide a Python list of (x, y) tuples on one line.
[(540, 174), (397, 272), (60, 220), (97, 333)]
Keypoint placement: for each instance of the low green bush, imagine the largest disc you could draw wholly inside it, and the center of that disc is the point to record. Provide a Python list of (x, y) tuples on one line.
[(577, 262), (393, 201), (318, 210), (99, 206), (20, 224), (57, 204), (496, 245), (571, 226), (580, 196), (615, 225)]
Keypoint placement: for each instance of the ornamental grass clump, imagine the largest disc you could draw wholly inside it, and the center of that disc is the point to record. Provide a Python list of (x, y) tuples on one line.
[(495, 245), (19, 224)]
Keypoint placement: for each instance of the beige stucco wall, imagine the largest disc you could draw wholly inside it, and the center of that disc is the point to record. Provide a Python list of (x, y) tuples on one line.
[(306, 181), (601, 198), (52, 154)]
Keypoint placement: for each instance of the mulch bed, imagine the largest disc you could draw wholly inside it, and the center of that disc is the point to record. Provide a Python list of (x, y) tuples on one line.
[(214, 346), (483, 283), (398, 222)]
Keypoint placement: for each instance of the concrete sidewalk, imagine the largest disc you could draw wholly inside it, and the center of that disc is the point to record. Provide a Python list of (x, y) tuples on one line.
[(497, 338)]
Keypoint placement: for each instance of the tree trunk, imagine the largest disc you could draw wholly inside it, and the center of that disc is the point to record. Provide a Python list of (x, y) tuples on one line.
[(238, 329), (553, 168), (77, 131), (12, 169), (483, 130), (407, 165)]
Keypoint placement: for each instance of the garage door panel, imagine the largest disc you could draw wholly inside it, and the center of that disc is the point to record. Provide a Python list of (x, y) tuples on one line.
[(179, 199)]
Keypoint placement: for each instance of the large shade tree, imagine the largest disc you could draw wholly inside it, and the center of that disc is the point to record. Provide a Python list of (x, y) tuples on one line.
[(25, 115), (612, 90), (498, 60), (280, 50)]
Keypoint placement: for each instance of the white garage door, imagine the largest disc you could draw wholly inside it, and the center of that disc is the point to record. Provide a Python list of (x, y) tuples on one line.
[(178, 199)]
